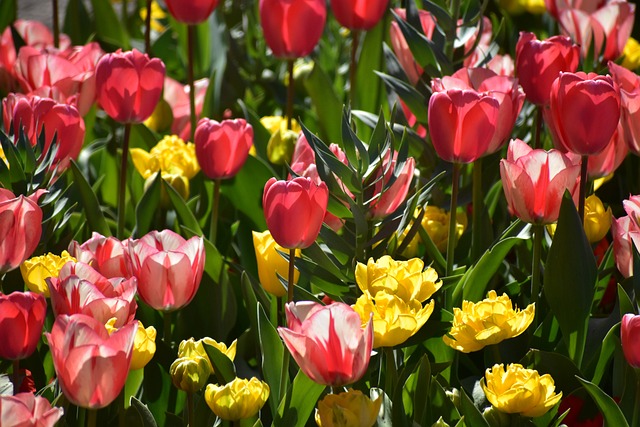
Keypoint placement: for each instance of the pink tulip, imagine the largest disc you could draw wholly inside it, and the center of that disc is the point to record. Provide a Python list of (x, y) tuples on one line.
[(328, 342), (386, 202), (168, 268), (129, 85), (359, 14), (28, 410), (584, 112), (222, 148), (534, 181), (38, 70), (22, 316), (412, 121), (401, 47), (629, 84), (502, 65), (478, 50), (191, 11), (91, 365), (107, 255), (539, 62), (177, 96), (20, 228), (294, 210), (554, 7), (607, 161), (462, 124), (8, 82), (38, 35), (292, 28), (80, 289), (626, 237), (630, 338)]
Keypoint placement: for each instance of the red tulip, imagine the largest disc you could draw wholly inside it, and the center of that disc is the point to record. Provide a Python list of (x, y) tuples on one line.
[(20, 228), (294, 210), (177, 96), (222, 148), (168, 268), (129, 85), (21, 319), (462, 124), (629, 84), (534, 181), (401, 47), (607, 161), (292, 28), (359, 14), (538, 63), (584, 112), (191, 11), (328, 342), (107, 255), (630, 337), (28, 410), (91, 365), (80, 289), (386, 202)]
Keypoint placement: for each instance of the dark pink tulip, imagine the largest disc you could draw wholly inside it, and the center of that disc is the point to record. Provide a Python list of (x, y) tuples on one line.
[(386, 202), (607, 161), (292, 28), (168, 268), (328, 342), (21, 319), (630, 338), (129, 85), (462, 124), (294, 210), (539, 62), (91, 365), (584, 112), (191, 11), (534, 181), (177, 96), (359, 14), (28, 410), (629, 84), (222, 147), (20, 228), (401, 47), (107, 255)]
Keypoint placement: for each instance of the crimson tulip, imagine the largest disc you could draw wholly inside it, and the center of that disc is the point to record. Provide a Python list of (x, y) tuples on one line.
[(129, 85), (191, 11), (294, 210), (328, 342), (292, 28), (534, 181), (386, 202), (20, 228), (107, 255), (629, 84), (359, 14), (539, 62), (91, 365), (401, 47), (630, 338), (22, 316), (28, 410), (168, 268), (222, 148), (584, 112)]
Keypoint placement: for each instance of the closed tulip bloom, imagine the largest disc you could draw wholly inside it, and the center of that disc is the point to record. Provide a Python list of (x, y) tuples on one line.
[(35, 270), (191, 11), (129, 85), (222, 148), (107, 255), (462, 124), (192, 369), (22, 316), (292, 28), (597, 219), (387, 200), (144, 345), (348, 409), (629, 84), (401, 47), (271, 263), (229, 351), (328, 342), (517, 390), (436, 223), (238, 399), (28, 410), (359, 14), (294, 210), (534, 181), (20, 229), (629, 334), (611, 157), (539, 62), (168, 268)]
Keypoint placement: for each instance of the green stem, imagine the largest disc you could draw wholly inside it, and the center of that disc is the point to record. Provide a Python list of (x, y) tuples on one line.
[(191, 36), (538, 233), (123, 180), (497, 357), (451, 241), (583, 187), (290, 284), (16, 376), (125, 16), (290, 89), (91, 417), (478, 207), (213, 229), (452, 33), (538, 126), (192, 411), (353, 67), (391, 372), (147, 29), (56, 25), (82, 416), (167, 317)]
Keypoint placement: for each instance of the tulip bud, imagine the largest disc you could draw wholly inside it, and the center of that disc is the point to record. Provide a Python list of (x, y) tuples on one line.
[(271, 263), (191, 370), (440, 423), (631, 54), (281, 145), (275, 123), (629, 335), (222, 148), (348, 409), (35, 270), (357, 15), (191, 12), (230, 351), (238, 399), (496, 418), (22, 317), (178, 182)]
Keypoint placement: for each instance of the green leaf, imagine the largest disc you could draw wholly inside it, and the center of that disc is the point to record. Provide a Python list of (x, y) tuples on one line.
[(414, 99), (107, 25), (272, 355), (300, 401), (148, 207), (421, 394), (249, 183), (222, 366), (186, 217), (607, 349), (470, 412), (608, 407), (368, 89), (8, 13), (75, 23), (327, 104), (562, 369), (92, 208), (138, 411)]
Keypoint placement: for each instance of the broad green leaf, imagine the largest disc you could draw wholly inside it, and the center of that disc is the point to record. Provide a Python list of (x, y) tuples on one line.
[(185, 216), (8, 13), (421, 393), (244, 191), (608, 407), (147, 208), (369, 90), (470, 412), (223, 367), (562, 369), (218, 39), (92, 208), (75, 19), (107, 25), (414, 99), (272, 356), (607, 349), (299, 402), (327, 104), (139, 414)]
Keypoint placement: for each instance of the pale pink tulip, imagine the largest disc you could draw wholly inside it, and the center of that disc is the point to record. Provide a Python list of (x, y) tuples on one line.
[(28, 410), (108, 255)]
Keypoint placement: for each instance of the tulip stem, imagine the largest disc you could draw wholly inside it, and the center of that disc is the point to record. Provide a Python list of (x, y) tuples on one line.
[(583, 186), (451, 240), (191, 408), (538, 233), (191, 35), (147, 29), (538, 127), (290, 89), (124, 16), (123, 180), (16, 376), (390, 372), (56, 25), (452, 32), (353, 67), (91, 417), (213, 229), (290, 284), (167, 328), (497, 357), (478, 207)]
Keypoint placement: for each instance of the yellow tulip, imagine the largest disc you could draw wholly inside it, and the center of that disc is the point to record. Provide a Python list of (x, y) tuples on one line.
[(191, 370), (230, 352), (275, 123), (238, 399), (144, 345), (436, 223), (631, 54), (518, 390), (487, 322), (271, 263), (597, 220), (170, 155), (348, 409), (178, 182), (35, 270), (162, 117), (281, 145), (157, 15)]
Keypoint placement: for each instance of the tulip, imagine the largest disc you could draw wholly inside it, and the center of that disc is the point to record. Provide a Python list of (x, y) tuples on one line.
[(168, 268), (26, 410), (90, 365), (129, 85), (629, 330), (294, 210), (436, 223), (20, 229), (516, 390), (387, 198), (626, 240), (238, 399), (177, 96), (191, 370), (170, 155), (271, 263), (631, 54), (502, 65), (348, 409), (275, 123), (534, 181), (292, 29), (611, 157), (191, 11), (35, 270), (539, 62), (107, 255), (44, 73), (359, 14), (629, 84), (401, 47), (597, 219), (22, 316), (222, 148), (328, 342), (144, 345), (230, 351)]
